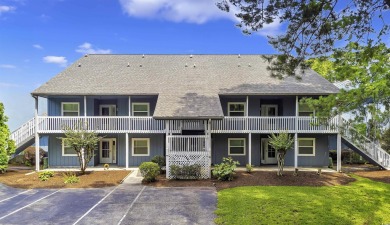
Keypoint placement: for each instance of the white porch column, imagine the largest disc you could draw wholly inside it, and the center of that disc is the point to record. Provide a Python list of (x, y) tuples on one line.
[(85, 106), (339, 144), (129, 105), (296, 133), (36, 135), (250, 148), (127, 150), (166, 148), (247, 106)]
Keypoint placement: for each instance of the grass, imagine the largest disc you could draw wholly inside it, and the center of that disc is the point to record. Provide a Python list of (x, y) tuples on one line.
[(361, 202)]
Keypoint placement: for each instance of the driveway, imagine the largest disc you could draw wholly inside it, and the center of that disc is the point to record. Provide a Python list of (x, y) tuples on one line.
[(124, 204)]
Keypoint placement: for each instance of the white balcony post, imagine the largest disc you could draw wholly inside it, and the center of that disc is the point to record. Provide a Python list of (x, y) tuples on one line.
[(250, 148), (339, 144), (296, 133), (167, 148), (127, 150), (85, 106), (36, 135), (129, 105)]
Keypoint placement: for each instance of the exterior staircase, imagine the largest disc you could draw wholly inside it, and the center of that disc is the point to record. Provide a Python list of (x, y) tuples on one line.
[(368, 149), (24, 136)]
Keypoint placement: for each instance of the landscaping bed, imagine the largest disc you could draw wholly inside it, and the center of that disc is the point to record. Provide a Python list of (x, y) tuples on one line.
[(379, 175), (92, 179), (261, 178)]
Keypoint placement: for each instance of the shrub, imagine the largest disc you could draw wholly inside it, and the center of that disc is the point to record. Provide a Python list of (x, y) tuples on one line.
[(149, 170), (29, 154), (3, 168), (45, 175), (225, 170), (27, 163), (186, 171), (249, 168), (70, 178), (160, 160)]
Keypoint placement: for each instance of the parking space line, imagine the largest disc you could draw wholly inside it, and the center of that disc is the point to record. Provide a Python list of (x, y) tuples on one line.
[(15, 195), (131, 205), (29, 205), (101, 200)]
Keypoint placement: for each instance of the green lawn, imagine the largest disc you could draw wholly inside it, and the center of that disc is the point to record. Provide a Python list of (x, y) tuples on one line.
[(361, 202)]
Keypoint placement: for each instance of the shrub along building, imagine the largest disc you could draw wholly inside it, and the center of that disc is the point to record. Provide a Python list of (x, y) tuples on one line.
[(193, 109)]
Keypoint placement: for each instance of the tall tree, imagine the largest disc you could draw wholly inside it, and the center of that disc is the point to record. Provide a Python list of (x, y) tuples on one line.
[(366, 72), (83, 142), (312, 27), (7, 146)]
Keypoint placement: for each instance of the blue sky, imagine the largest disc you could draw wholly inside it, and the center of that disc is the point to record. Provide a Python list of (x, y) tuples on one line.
[(38, 39)]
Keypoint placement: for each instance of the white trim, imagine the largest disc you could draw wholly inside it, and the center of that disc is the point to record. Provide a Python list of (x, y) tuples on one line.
[(63, 149), (109, 106), (235, 103), (140, 139), (139, 103), (62, 107), (240, 139), (112, 149), (314, 146)]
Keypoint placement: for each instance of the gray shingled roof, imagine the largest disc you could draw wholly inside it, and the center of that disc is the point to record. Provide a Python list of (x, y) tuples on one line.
[(187, 86)]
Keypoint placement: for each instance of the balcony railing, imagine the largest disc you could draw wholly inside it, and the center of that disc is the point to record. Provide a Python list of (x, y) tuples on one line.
[(126, 124)]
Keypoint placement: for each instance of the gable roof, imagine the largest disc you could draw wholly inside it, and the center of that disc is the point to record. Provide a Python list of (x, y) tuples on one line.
[(187, 86)]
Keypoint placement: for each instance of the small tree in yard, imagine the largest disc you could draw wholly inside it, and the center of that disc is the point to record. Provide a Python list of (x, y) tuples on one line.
[(281, 143), (7, 146), (385, 140), (83, 142)]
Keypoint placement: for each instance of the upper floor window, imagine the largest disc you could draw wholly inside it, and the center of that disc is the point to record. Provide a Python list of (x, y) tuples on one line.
[(236, 109), (140, 109), (305, 110), (70, 108)]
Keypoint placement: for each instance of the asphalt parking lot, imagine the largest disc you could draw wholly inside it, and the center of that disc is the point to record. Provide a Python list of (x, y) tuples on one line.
[(124, 204)]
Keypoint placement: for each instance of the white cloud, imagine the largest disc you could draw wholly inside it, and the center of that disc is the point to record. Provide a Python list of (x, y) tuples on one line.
[(87, 48), (7, 66), (190, 11), (6, 8), (9, 85), (60, 60), (37, 46)]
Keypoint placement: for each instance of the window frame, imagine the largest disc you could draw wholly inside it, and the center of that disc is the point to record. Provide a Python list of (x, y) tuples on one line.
[(133, 145), (235, 103), (62, 108), (63, 149), (312, 112), (140, 103), (314, 146), (235, 154)]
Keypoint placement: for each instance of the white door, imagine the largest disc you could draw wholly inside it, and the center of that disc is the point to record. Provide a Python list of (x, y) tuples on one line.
[(108, 150), (269, 110), (107, 110), (268, 154)]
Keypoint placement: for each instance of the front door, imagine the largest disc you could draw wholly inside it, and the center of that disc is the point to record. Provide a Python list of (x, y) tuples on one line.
[(108, 150), (268, 154)]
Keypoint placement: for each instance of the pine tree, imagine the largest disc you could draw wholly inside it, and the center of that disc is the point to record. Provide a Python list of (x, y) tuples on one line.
[(7, 146)]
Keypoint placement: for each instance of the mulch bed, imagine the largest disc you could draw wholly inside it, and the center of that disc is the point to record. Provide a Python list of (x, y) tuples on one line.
[(92, 179), (380, 175), (261, 178)]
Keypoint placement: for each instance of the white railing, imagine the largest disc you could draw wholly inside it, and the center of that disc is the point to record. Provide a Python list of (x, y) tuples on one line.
[(370, 148), (102, 124), (192, 125), (24, 132), (273, 125)]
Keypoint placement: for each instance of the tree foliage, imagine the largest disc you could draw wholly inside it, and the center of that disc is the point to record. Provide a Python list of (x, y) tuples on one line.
[(83, 142), (7, 146), (385, 140), (281, 143), (312, 27), (366, 71)]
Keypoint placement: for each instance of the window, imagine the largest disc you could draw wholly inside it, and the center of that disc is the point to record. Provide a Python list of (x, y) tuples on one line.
[(140, 109), (236, 109), (304, 110), (140, 147), (306, 146), (236, 146), (70, 108), (67, 150)]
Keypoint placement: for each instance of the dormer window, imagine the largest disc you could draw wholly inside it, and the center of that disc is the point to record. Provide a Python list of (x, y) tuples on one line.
[(236, 109)]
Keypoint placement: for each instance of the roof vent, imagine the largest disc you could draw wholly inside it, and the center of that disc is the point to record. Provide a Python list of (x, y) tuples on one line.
[(140, 65), (194, 65), (191, 56), (239, 65), (239, 56), (186, 65), (249, 65), (128, 64), (143, 55), (79, 65), (86, 55)]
